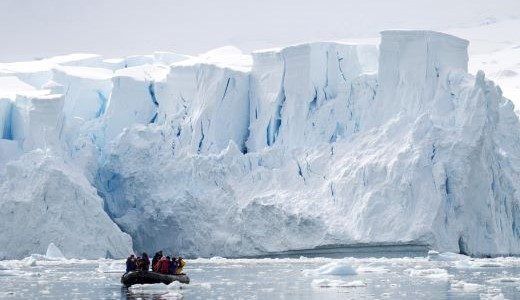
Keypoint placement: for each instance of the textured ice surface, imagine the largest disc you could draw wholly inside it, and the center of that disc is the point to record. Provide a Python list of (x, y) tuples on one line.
[(45, 201), (233, 154), (332, 155)]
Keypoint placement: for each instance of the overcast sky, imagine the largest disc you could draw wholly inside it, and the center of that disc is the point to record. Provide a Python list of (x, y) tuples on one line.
[(37, 28)]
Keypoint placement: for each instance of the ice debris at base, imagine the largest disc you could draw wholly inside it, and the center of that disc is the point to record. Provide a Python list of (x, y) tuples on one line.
[(232, 154), (56, 204)]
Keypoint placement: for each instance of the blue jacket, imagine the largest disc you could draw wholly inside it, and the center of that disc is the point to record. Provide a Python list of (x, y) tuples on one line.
[(130, 264), (173, 267)]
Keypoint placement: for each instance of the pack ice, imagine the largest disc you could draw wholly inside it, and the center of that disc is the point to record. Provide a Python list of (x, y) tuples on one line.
[(231, 154)]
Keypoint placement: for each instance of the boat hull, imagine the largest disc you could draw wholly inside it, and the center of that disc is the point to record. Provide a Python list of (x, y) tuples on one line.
[(140, 277)]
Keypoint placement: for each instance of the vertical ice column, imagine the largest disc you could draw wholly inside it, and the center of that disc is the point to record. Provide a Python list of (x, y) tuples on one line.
[(267, 97), (6, 109), (206, 105), (304, 94), (36, 120), (133, 99), (44, 121), (411, 65), (86, 91)]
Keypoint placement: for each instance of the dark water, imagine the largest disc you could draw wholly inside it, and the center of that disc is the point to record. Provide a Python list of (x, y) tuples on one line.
[(440, 277)]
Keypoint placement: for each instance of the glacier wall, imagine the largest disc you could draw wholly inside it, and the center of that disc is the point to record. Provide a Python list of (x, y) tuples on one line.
[(293, 148)]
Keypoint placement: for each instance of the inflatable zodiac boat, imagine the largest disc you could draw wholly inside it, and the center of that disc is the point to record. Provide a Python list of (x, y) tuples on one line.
[(142, 277)]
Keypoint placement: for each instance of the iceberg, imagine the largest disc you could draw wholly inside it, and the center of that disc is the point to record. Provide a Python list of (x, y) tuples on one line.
[(339, 268), (229, 154), (54, 252)]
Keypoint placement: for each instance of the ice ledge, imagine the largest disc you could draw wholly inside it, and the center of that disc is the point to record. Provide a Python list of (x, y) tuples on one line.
[(423, 34)]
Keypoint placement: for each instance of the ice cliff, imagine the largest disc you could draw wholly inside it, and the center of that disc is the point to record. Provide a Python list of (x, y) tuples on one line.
[(231, 154)]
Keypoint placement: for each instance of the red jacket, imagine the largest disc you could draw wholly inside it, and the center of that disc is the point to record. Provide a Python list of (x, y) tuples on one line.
[(163, 266)]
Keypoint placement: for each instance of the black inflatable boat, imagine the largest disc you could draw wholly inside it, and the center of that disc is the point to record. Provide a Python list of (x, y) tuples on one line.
[(142, 277)]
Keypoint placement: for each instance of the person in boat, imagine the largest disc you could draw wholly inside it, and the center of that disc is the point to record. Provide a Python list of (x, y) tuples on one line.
[(131, 263), (173, 266), (180, 265), (155, 259), (169, 263), (163, 265), (143, 263)]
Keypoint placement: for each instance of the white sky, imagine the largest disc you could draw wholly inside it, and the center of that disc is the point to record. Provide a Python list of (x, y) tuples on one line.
[(38, 28)]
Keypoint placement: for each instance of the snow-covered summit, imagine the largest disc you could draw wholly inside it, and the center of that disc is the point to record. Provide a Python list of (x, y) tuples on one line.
[(223, 57), (293, 148)]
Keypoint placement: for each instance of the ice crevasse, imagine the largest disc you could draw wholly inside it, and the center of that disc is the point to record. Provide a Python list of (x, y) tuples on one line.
[(231, 154)]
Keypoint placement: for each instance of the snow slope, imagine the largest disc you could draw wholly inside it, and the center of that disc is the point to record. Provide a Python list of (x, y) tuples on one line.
[(291, 148)]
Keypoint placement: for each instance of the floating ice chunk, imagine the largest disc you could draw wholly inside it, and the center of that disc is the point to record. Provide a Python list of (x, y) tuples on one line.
[(205, 285), (154, 288), (489, 264), (340, 268), (11, 273), (53, 252), (369, 269), (111, 267), (466, 286), (326, 283), (29, 261), (464, 264), (434, 273), (172, 295), (446, 256), (504, 280), (472, 263), (175, 285), (217, 258), (147, 288), (491, 296), (355, 283)]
